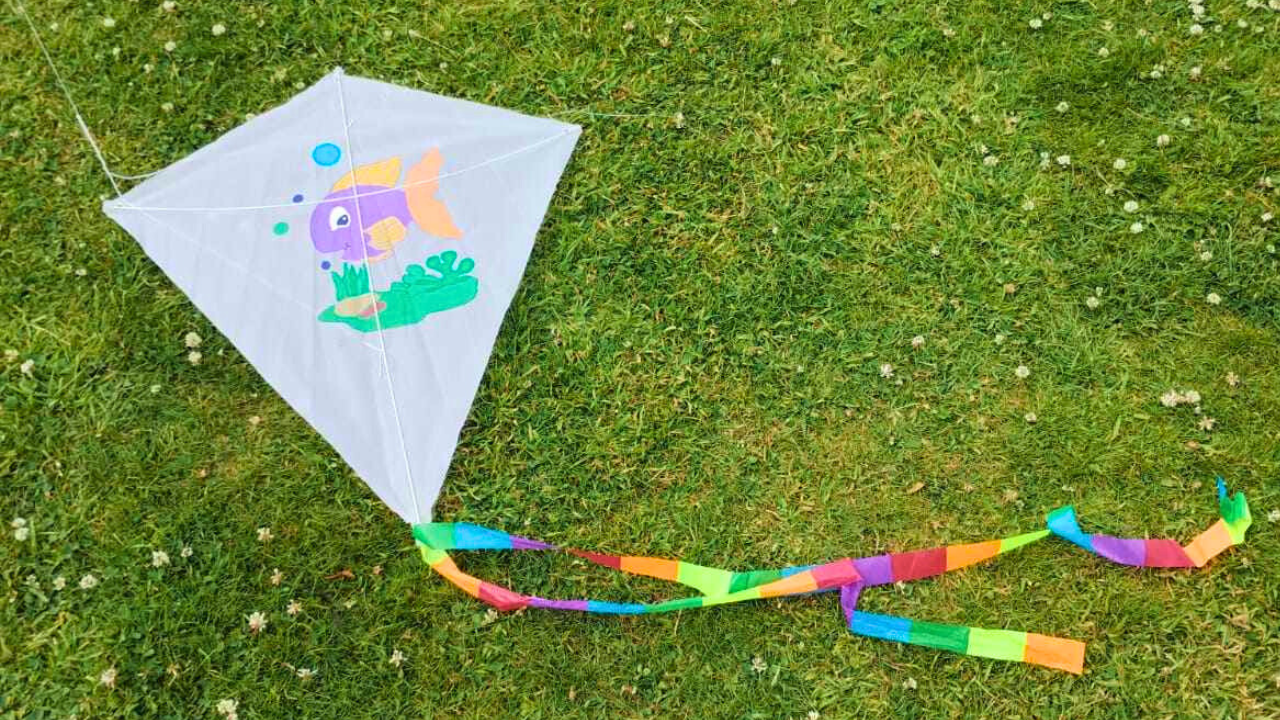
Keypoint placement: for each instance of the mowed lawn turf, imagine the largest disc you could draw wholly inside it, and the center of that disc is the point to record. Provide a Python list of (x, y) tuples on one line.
[(710, 358)]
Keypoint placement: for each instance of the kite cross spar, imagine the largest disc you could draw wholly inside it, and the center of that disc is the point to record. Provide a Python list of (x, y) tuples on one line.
[(300, 253)]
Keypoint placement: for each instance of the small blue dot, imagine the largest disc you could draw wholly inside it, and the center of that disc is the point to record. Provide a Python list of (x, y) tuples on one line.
[(325, 265), (326, 154), (297, 198)]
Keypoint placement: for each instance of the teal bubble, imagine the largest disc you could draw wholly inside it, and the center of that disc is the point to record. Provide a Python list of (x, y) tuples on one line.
[(326, 154), (280, 228)]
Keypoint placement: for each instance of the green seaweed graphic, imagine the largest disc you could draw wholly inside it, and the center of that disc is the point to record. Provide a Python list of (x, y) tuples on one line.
[(414, 296)]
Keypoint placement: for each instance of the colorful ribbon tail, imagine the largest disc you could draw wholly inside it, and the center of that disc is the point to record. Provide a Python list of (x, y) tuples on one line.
[(1228, 531)]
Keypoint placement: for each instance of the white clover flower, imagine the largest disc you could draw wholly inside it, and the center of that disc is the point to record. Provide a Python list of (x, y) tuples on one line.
[(257, 622), (167, 107), (917, 342), (1103, 52), (264, 534), (186, 552), (1242, 24), (88, 582), (1108, 26), (59, 583), (1029, 205), (305, 673), (1063, 160), (1023, 372), (1142, 32), (775, 61), (170, 46), (1036, 23), (194, 357), (159, 558), (1163, 141), (910, 684), (227, 709), (21, 533), (1092, 302), (886, 370), (1206, 424), (1030, 418), (1266, 217), (1046, 16), (107, 678), (758, 664), (1185, 122), (1206, 256), (1136, 228), (18, 522), (1191, 397), (1120, 164), (294, 607), (277, 576), (218, 29), (1194, 72), (1131, 206), (990, 161), (999, 338), (1196, 29), (168, 5), (1170, 399), (27, 367), (1062, 107), (108, 22), (397, 658), (1213, 298), (1197, 10)]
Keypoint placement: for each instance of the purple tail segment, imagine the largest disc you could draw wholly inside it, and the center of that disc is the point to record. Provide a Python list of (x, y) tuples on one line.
[(850, 576)]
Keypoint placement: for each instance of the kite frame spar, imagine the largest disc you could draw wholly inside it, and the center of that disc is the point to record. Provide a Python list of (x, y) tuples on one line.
[(849, 576)]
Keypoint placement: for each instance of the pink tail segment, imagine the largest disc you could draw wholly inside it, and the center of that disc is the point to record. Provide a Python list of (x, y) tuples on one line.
[(420, 186)]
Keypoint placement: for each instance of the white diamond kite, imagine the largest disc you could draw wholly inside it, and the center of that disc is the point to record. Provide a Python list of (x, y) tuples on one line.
[(360, 245)]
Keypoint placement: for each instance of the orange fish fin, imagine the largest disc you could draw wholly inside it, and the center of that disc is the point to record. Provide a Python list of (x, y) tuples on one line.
[(420, 186)]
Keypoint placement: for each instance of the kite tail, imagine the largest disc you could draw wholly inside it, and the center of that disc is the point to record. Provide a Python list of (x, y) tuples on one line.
[(420, 186), (1229, 530), (848, 575)]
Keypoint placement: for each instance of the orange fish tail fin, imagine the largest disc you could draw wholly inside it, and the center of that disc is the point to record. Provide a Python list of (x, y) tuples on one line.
[(420, 186)]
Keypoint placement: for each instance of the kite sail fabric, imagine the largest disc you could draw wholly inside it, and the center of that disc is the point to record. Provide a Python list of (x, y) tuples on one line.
[(849, 576), (359, 245)]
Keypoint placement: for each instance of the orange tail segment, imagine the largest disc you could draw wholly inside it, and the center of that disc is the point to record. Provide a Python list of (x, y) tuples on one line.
[(420, 186)]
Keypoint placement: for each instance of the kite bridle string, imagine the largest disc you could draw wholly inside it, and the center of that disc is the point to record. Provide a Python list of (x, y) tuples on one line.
[(112, 176), (377, 313)]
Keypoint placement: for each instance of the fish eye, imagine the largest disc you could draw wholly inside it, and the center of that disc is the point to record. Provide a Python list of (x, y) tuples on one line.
[(339, 218)]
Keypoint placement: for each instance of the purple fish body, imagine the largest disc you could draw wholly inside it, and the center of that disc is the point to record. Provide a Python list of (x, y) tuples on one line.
[(335, 226)]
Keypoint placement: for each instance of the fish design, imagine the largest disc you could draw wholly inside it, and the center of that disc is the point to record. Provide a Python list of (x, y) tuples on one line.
[(385, 211)]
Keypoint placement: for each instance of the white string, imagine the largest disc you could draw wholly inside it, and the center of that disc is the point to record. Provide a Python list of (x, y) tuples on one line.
[(377, 312), (97, 151)]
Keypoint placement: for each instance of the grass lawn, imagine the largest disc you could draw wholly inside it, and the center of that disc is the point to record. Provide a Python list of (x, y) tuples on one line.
[(692, 367)]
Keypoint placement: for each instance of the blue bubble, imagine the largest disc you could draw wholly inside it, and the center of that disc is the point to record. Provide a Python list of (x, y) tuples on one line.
[(325, 265), (297, 198), (326, 154)]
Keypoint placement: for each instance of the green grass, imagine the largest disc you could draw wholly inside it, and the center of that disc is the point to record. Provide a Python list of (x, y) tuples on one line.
[(691, 366)]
